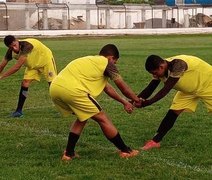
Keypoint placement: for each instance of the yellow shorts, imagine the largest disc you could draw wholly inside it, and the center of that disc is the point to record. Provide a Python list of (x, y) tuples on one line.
[(49, 71), (67, 102), (189, 101)]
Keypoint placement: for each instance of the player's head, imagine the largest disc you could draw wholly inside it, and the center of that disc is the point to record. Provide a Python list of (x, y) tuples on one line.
[(155, 65), (11, 42), (111, 52), (8, 40)]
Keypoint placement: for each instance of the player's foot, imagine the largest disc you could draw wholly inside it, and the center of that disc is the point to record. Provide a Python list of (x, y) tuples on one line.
[(69, 158), (17, 114), (150, 144), (130, 154)]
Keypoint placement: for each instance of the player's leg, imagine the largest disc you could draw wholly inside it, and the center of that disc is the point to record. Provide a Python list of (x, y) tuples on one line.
[(29, 76), (75, 131), (22, 97), (85, 107), (62, 100), (181, 102), (166, 124), (113, 135)]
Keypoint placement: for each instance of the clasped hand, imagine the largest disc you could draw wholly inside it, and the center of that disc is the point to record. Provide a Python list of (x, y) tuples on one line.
[(140, 104)]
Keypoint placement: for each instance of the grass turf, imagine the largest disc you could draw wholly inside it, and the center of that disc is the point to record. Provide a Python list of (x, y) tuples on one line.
[(31, 147)]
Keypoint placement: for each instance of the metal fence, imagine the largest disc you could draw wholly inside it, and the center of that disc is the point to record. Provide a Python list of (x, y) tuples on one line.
[(61, 16)]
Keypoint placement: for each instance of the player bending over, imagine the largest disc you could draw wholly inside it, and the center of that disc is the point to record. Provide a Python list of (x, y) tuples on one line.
[(74, 91), (189, 75), (35, 56)]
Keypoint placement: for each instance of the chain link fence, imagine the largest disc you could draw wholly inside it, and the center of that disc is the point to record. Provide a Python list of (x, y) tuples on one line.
[(62, 16)]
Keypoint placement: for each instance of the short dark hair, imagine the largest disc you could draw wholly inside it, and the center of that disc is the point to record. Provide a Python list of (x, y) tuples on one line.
[(153, 62), (109, 50), (8, 40)]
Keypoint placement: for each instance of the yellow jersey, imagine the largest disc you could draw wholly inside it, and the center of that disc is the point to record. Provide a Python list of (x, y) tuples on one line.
[(196, 78), (84, 74)]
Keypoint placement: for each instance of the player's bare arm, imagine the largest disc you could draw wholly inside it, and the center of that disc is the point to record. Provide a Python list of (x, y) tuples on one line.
[(126, 90), (112, 72), (110, 91), (15, 67), (3, 64)]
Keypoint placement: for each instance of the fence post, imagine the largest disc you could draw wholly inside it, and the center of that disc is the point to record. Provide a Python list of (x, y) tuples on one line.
[(45, 19), (186, 19), (27, 25), (108, 18), (64, 20), (163, 18), (88, 21), (128, 22)]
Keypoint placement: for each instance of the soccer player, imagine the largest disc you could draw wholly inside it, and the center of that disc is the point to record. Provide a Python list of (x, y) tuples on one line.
[(75, 88), (189, 75), (35, 56)]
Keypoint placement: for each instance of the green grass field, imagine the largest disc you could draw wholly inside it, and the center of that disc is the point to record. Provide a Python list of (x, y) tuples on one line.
[(31, 146)]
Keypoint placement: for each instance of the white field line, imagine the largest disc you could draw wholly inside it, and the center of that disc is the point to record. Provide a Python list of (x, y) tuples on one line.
[(38, 132), (39, 107), (27, 108), (183, 165), (45, 132)]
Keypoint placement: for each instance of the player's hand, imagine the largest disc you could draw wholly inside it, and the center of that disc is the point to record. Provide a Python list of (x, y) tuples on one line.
[(131, 101), (139, 103), (144, 103), (128, 107)]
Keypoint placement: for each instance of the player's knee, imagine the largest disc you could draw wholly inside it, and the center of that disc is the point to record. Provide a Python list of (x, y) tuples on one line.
[(26, 82)]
